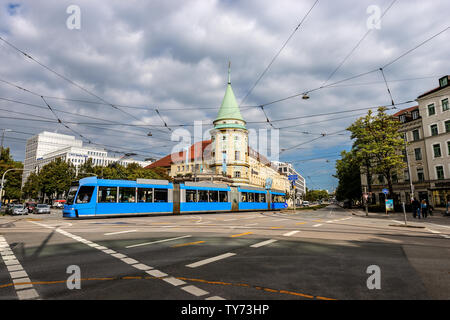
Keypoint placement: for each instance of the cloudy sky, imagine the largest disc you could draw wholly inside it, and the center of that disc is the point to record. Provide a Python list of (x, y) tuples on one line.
[(173, 56)]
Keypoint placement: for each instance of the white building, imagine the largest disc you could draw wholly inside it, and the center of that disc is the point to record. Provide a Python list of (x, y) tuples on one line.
[(46, 147), (300, 184)]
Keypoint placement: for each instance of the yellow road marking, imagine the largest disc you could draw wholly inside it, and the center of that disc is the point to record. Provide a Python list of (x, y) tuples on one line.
[(275, 228), (180, 278), (318, 220), (301, 223), (240, 234), (187, 244)]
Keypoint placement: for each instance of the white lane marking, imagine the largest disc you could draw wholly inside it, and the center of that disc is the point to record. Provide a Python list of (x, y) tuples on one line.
[(263, 243), (433, 231), (251, 224), (203, 222), (174, 281), (157, 273), (291, 233), (209, 260), (215, 298), (195, 291), (134, 263), (142, 266), (277, 220), (317, 225), (17, 273), (159, 241), (119, 232), (330, 221), (230, 219)]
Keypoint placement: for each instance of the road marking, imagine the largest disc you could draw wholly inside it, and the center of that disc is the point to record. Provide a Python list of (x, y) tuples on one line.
[(230, 219), (158, 241), (119, 232), (209, 260), (277, 220), (240, 234), (174, 281), (317, 220), (301, 223), (317, 225), (290, 233), (187, 244), (263, 243), (31, 293), (433, 231), (330, 221), (24, 289), (195, 291), (251, 224)]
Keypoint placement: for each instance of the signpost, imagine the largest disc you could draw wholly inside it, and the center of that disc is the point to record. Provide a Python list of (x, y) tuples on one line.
[(293, 178)]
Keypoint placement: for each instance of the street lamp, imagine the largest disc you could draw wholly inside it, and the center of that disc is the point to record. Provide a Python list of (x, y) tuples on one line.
[(3, 181)]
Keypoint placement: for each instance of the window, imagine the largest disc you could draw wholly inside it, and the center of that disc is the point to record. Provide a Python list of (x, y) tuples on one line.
[(431, 110), (223, 196), (243, 196), (237, 155), (145, 195), (161, 195), (85, 194), (448, 148), (278, 198), (250, 197), (237, 174), (440, 172), (381, 178), (416, 135), (127, 194), (445, 105), (420, 175), (402, 118), (443, 81), (437, 150), (213, 196), (434, 130), (415, 115), (202, 196), (418, 153), (107, 194), (447, 126), (191, 195), (261, 197)]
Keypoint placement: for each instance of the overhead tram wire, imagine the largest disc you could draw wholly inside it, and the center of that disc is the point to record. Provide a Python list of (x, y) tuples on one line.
[(278, 53), (356, 46), (67, 79), (360, 74)]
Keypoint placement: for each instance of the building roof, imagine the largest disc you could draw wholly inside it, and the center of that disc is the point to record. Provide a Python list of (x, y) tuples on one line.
[(437, 88), (407, 110), (196, 151), (229, 110)]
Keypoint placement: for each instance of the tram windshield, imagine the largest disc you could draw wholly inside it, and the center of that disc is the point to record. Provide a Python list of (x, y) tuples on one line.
[(71, 194)]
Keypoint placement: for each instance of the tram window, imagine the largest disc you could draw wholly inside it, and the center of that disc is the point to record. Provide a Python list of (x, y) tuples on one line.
[(191, 195), (127, 194), (145, 195), (262, 197), (243, 196), (202, 196), (161, 195), (85, 194), (278, 198), (107, 194), (213, 196), (251, 197), (223, 196)]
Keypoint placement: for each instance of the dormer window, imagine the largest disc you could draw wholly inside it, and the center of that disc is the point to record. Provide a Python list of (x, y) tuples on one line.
[(402, 118), (443, 81), (415, 114)]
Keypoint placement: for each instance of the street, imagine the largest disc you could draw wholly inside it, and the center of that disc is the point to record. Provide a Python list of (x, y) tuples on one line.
[(309, 254)]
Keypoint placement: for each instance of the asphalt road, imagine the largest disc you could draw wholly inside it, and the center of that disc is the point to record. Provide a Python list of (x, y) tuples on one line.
[(321, 254)]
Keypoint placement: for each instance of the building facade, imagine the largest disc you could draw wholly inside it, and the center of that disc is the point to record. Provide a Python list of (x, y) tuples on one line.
[(227, 157), (299, 185), (46, 147), (426, 129)]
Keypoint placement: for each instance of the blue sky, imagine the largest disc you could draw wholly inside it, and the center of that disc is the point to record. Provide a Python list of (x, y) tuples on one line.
[(174, 55)]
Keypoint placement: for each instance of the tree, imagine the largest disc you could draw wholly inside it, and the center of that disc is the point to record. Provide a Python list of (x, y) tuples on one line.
[(56, 178), (32, 187), (378, 140), (348, 173), (12, 187)]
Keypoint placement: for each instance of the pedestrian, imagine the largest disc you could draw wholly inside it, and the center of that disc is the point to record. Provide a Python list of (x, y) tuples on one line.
[(429, 208), (423, 207), (415, 208), (447, 207)]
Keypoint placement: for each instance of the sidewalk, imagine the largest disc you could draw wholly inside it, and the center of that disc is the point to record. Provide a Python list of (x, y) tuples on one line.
[(437, 216)]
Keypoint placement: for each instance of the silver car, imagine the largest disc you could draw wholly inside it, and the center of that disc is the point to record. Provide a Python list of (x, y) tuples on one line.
[(42, 208), (19, 209)]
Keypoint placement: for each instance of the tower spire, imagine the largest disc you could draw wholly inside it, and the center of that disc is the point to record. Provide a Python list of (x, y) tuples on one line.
[(229, 72)]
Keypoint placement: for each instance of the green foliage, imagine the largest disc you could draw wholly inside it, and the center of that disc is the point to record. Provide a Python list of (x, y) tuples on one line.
[(13, 178), (316, 195), (378, 144), (347, 171)]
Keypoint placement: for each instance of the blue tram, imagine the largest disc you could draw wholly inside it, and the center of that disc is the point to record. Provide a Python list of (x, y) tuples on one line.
[(100, 197)]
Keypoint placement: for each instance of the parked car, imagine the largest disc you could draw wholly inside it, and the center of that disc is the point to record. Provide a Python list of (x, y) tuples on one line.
[(41, 208), (58, 204), (19, 209), (30, 206), (305, 203)]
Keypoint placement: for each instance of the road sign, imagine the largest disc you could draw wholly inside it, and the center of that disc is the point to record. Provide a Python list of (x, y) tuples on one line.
[(293, 177), (385, 191)]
